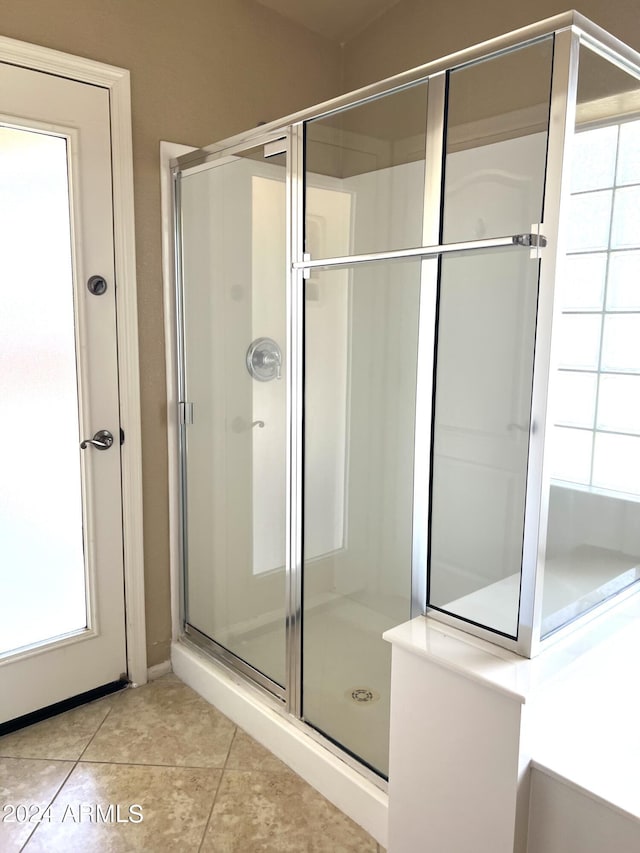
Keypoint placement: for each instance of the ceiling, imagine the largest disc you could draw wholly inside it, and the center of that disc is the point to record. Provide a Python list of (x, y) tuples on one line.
[(338, 20)]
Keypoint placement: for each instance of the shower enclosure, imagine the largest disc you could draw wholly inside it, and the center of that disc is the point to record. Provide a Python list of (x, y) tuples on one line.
[(408, 325)]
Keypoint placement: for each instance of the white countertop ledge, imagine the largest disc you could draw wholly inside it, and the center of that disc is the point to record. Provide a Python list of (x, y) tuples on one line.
[(464, 654), (613, 635), (584, 695)]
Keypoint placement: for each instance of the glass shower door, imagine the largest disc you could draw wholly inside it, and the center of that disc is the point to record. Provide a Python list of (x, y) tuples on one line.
[(233, 399), (360, 402), (364, 193)]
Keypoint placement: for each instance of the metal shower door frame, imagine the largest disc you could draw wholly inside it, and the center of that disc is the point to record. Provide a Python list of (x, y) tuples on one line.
[(224, 156)]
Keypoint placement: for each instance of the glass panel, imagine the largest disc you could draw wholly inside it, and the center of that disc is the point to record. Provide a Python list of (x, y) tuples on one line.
[(43, 576), (616, 462), (496, 144), (621, 342), (629, 153), (625, 230), (582, 286), (234, 348), (589, 217), (623, 286), (571, 454), (593, 161), (361, 337), (593, 548), (619, 403), (373, 156), (576, 403), (486, 329), (593, 539), (579, 336)]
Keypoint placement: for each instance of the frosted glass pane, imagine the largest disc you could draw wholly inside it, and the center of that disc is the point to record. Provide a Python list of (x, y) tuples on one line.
[(616, 463), (579, 340), (589, 221), (570, 451), (42, 564), (623, 289), (625, 229), (593, 159), (575, 399), (621, 342), (619, 403), (629, 154), (494, 188), (583, 278)]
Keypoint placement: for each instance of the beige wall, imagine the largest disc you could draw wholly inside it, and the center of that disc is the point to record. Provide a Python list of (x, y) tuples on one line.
[(200, 70), (415, 31)]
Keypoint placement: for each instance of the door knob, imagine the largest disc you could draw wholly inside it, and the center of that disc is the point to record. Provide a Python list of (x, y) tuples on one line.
[(102, 440)]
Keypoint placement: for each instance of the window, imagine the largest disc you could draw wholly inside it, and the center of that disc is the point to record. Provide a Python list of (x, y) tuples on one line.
[(597, 423)]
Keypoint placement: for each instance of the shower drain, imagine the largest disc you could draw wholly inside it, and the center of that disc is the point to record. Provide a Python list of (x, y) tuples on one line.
[(362, 695)]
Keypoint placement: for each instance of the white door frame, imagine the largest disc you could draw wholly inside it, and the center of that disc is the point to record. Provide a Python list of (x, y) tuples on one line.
[(116, 81)]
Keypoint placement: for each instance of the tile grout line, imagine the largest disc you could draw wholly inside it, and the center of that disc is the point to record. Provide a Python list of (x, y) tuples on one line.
[(94, 735), (174, 766), (215, 796), (52, 801), (66, 778), (154, 764)]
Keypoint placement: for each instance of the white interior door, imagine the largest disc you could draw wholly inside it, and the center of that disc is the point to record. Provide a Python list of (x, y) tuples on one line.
[(62, 629)]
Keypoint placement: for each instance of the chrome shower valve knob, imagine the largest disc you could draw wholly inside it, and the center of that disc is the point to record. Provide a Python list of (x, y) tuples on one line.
[(264, 360)]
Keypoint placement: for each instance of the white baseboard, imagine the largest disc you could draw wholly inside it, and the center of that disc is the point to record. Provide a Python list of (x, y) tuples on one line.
[(159, 670), (354, 795)]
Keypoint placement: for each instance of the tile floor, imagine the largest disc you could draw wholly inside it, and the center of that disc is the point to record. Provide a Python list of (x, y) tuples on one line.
[(201, 784)]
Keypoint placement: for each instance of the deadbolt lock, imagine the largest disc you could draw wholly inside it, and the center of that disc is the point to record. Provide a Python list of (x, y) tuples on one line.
[(97, 285)]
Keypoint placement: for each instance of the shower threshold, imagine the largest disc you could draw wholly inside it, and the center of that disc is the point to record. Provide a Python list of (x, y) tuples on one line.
[(347, 783)]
